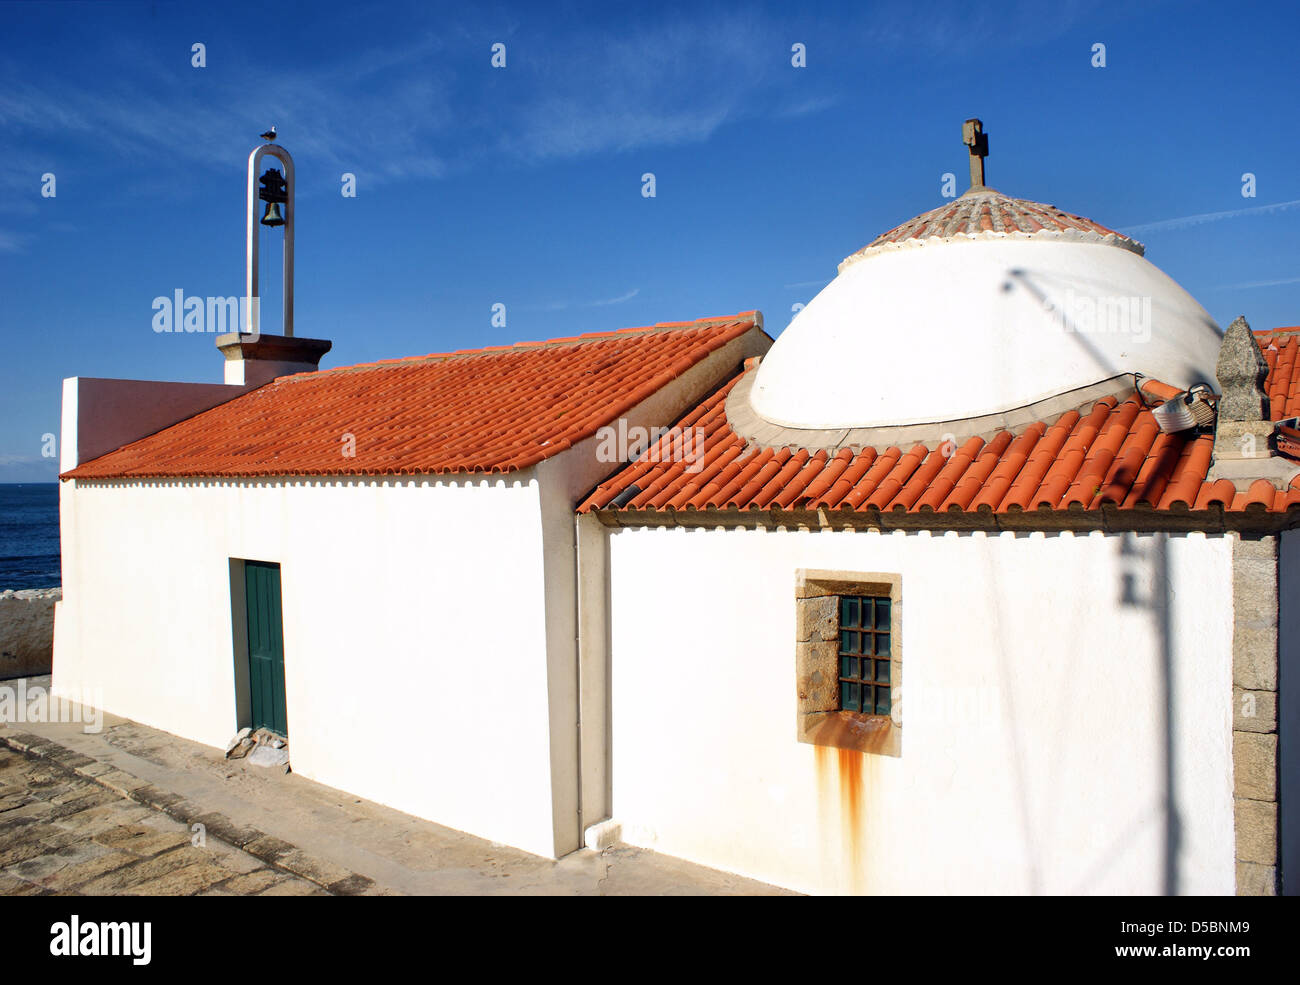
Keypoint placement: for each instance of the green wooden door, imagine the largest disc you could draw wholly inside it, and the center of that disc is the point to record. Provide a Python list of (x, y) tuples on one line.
[(265, 646)]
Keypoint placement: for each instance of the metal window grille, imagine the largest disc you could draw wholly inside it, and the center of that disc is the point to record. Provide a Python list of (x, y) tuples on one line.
[(865, 649)]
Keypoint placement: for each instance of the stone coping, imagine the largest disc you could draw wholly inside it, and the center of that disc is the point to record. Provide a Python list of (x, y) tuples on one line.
[(747, 423), (24, 594)]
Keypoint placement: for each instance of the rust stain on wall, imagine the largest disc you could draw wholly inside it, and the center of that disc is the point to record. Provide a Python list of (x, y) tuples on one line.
[(850, 731), (841, 778), (850, 766)]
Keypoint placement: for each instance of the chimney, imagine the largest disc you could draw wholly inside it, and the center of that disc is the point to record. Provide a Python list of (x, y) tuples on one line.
[(253, 358)]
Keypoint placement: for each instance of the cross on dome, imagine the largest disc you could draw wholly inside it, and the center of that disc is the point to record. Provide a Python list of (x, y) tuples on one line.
[(974, 137)]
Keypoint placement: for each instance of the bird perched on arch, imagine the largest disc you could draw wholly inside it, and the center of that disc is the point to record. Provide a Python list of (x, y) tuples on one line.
[(270, 134)]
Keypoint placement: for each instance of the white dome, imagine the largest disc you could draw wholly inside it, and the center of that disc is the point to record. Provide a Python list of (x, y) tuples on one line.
[(982, 306)]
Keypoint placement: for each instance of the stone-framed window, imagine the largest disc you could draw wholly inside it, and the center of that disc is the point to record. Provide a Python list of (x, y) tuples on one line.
[(865, 644), (848, 660)]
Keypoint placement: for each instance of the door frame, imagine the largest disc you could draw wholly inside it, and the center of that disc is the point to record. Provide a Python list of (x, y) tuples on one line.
[(240, 642)]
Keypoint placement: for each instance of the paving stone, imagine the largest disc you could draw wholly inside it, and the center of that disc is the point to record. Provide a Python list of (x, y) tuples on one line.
[(13, 886), (96, 819), (72, 876), (353, 885), (156, 798), (425, 858), (238, 862), (69, 758), (59, 838), (138, 871), (317, 870), (123, 783), (20, 817), (84, 799), (57, 793), (40, 867), (219, 826), (141, 841), (293, 887), (186, 881), (94, 768), (9, 803), (252, 883), (268, 848), (21, 852)]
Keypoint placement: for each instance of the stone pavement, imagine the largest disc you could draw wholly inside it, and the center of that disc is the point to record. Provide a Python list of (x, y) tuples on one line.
[(63, 833), (273, 825)]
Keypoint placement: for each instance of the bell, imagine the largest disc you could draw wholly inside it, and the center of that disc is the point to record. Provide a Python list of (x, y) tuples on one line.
[(272, 216)]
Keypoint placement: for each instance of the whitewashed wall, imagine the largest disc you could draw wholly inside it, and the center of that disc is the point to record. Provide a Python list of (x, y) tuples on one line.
[(416, 669), (1033, 737), (430, 625)]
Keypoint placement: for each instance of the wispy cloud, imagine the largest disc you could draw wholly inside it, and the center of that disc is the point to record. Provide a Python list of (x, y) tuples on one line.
[(804, 107), (383, 111), (1187, 221), (618, 300), (566, 305), (807, 283), (415, 110), (1246, 285), (668, 81), (429, 105), (10, 242), (970, 30)]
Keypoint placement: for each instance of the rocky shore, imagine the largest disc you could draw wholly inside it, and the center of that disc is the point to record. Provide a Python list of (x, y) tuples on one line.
[(27, 631)]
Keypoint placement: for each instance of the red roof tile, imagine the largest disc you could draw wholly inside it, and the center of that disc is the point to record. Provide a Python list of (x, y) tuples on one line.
[(487, 410), (1281, 346), (993, 212), (1113, 453)]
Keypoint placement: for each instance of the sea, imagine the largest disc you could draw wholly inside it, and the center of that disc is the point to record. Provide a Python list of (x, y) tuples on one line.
[(29, 535)]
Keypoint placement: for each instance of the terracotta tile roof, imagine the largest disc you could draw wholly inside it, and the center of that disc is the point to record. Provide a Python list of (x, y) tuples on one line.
[(1111, 453), (995, 213), (485, 410), (1280, 347)]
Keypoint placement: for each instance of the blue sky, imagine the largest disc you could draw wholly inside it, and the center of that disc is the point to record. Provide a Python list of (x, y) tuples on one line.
[(522, 186)]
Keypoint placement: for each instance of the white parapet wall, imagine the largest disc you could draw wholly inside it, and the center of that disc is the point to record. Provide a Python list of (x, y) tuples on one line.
[(414, 614), (1033, 754), (100, 415)]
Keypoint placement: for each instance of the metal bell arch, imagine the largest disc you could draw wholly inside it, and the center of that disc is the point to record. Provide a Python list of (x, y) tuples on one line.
[(251, 323)]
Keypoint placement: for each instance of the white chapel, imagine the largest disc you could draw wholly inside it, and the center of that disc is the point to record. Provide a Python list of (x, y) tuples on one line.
[(969, 582)]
